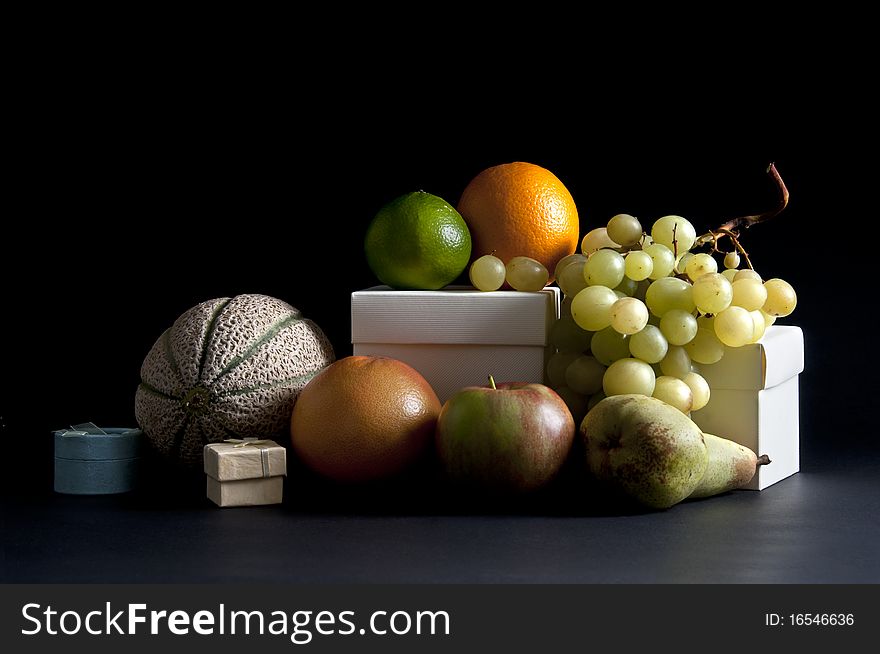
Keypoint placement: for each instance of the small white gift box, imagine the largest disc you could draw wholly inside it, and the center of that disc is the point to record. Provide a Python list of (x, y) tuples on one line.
[(754, 400)]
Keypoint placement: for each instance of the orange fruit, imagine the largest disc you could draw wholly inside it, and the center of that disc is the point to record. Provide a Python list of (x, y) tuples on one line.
[(364, 418), (520, 209)]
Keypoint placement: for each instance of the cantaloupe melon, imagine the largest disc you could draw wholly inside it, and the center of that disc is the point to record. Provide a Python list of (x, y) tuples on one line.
[(227, 368)]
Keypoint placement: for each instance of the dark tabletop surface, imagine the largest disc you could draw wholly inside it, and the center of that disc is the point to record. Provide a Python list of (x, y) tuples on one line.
[(820, 526)]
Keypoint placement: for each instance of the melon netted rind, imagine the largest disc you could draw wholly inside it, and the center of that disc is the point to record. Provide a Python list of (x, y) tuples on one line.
[(227, 368)]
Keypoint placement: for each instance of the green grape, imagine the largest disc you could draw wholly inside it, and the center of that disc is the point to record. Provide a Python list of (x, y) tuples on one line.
[(750, 294), (487, 273), (608, 346), (628, 287), (705, 346), (679, 327), (675, 392), (747, 274), (759, 326), (662, 260), (676, 363), (731, 260), (604, 268), (667, 228), (649, 345), (699, 390), (730, 274), (584, 375), (706, 322), (781, 298), (577, 404), (669, 293), (638, 265), (591, 308), (629, 315), (628, 376), (700, 264), (597, 239), (734, 326), (557, 365), (526, 274), (565, 335), (595, 399), (624, 229), (712, 293), (564, 261), (768, 319), (682, 262), (571, 279)]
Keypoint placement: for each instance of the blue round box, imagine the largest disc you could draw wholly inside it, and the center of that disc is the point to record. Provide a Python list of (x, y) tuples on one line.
[(97, 464)]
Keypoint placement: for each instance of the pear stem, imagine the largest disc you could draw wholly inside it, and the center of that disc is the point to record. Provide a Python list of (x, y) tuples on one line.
[(495, 388), (762, 460)]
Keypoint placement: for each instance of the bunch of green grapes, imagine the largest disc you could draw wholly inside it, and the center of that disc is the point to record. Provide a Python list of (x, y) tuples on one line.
[(642, 312)]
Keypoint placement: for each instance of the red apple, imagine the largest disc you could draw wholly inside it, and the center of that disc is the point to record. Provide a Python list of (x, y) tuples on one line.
[(512, 437)]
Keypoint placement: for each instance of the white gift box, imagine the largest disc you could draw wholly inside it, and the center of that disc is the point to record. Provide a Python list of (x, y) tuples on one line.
[(457, 336), (754, 400)]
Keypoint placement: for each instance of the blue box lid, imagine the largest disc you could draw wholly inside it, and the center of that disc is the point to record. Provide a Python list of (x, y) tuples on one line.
[(115, 443)]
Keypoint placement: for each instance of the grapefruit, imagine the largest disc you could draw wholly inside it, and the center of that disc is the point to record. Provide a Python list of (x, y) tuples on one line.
[(364, 418)]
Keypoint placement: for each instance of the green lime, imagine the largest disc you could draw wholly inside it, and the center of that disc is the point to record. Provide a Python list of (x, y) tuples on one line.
[(418, 241)]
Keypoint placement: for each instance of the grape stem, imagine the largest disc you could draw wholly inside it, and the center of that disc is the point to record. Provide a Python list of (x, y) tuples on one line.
[(731, 229), (736, 244)]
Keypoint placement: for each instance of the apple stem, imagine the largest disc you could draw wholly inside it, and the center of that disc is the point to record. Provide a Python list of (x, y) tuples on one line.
[(492, 383)]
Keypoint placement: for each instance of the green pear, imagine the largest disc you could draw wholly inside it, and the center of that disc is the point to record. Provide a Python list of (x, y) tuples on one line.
[(731, 466), (645, 448)]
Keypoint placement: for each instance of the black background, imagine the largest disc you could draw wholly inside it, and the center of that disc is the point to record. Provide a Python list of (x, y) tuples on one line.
[(140, 205)]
